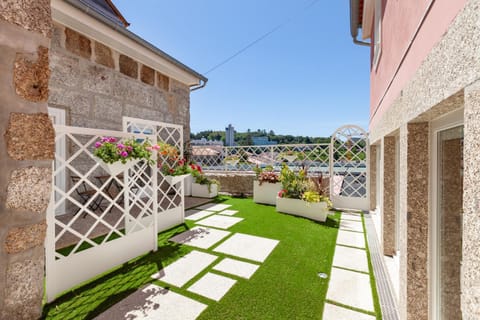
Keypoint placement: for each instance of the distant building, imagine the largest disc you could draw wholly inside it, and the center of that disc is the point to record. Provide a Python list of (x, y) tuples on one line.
[(262, 141), (229, 135), (205, 142)]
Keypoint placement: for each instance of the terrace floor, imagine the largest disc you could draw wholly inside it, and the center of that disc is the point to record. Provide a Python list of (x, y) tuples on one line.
[(238, 260)]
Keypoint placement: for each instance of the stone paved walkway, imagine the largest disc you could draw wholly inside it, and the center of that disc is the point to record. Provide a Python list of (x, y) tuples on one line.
[(196, 271), (350, 277)]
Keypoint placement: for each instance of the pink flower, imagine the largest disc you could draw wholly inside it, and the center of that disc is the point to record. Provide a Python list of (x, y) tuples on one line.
[(124, 154), (98, 144), (112, 140), (281, 193), (156, 147), (129, 148), (120, 146)]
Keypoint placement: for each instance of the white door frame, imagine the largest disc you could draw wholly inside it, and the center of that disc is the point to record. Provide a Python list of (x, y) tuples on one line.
[(58, 117), (450, 120)]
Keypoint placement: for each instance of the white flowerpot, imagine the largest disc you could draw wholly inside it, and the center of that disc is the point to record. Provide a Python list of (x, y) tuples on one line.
[(188, 185), (175, 179), (290, 158), (201, 190), (266, 192), (116, 168), (315, 210)]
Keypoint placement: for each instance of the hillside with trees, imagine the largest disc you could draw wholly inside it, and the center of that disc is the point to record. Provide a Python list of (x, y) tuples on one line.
[(245, 138)]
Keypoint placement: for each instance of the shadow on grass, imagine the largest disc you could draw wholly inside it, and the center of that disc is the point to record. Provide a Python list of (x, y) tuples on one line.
[(91, 299)]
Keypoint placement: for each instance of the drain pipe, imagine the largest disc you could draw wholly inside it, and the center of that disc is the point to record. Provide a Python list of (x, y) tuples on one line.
[(202, 84), (354, 23)]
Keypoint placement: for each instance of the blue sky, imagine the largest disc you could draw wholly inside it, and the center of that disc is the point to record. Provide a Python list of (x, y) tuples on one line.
[(307, 78)]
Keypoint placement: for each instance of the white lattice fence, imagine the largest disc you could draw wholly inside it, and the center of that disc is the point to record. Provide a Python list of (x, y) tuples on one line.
[(314, 157), (96, 220)]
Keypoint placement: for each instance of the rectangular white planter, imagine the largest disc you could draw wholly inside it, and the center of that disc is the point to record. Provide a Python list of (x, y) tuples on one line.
[(266, 193), (188, 185), (316, 210), (201, 190)]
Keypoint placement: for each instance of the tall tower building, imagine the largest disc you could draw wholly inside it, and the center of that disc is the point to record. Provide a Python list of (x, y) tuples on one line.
[(229, 135)]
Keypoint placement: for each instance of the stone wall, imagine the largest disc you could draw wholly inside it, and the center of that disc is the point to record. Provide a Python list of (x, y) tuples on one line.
[(26, 153), (235, 184), (389, 195), (97, 86)]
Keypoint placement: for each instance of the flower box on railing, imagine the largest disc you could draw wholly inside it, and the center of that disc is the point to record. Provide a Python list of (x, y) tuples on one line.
[(172, 180), (203, 190), (266, 192), (317, 211), (118, 167)]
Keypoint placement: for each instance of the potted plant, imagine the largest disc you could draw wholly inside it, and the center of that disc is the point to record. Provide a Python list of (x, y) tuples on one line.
[(176, 173), (266, 186), (195, 170), (299, 196), (203, 187), (115, 156)]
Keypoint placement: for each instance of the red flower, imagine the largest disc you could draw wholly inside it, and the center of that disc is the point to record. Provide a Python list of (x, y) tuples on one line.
[(281, 193)]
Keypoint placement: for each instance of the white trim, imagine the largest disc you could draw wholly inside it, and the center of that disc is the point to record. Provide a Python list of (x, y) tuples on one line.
[(377, 34), (81, 22), (58, 117), (367, 19), (451, 120)]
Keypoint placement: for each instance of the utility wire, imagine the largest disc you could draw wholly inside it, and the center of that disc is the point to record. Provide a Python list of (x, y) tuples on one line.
[(265, 35)]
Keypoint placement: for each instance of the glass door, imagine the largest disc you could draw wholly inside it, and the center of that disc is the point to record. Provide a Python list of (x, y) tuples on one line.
[(449, 203)]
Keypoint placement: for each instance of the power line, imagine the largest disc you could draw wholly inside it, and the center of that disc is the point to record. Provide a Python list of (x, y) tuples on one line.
[(265, 35)]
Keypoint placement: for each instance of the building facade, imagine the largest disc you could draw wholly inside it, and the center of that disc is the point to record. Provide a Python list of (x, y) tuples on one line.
[(425, 136), (229, 136)]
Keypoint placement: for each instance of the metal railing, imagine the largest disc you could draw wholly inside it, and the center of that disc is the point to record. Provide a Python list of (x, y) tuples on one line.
[(315, 157)]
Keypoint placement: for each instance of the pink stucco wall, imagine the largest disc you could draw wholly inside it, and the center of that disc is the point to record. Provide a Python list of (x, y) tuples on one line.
[(400, 22)]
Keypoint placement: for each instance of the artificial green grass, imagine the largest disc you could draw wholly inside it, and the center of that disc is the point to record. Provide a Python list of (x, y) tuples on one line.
[(285, 286)]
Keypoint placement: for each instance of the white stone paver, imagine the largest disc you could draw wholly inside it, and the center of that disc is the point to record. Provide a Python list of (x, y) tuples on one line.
[(197, 214), (185, 268), (154, 302), (200, 237), (212, 286), (248, 247), (214, 206), (351, 225), (237, 268), (219, 221), (350, 288), (351, 216), (350, 258), (228, 212), (333, 312), (348, 238)]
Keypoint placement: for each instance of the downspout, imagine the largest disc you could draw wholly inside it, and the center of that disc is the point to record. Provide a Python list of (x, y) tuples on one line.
[(354, 23), (202, 84)]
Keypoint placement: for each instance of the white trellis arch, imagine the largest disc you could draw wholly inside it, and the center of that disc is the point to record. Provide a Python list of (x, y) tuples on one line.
[(349, 172)]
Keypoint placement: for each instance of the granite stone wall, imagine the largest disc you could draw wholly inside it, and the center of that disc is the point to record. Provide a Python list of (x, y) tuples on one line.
[(389, 195), (471, 205), (97, 86), (373, 176), (26, 153)]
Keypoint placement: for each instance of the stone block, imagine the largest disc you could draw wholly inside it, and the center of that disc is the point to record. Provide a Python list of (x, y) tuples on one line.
[(103, 55), (29, 189), (22, 238), (30, 15), (142, 113), (147, 75), (373, 176), (30, 137), (64, 70), (163, 82), (235, 184), (128, 66), (77, 103), (98, 79), (78, 44), (31, 74), (389, 195), (107, 109), (24, 290)]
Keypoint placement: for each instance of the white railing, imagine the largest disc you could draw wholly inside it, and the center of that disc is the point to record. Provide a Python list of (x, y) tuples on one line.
[(314, 157)]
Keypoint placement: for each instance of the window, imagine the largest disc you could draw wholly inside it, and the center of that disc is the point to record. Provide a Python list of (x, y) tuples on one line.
[(377, 32)]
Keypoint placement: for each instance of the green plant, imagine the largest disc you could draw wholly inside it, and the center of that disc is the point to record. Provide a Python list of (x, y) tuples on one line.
[(111, 150), (311, 196), (203, 179)]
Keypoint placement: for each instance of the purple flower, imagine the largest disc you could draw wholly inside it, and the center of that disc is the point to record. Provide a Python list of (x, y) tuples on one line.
[(120, 146), (124, 154), (98, 144), (112, 140)]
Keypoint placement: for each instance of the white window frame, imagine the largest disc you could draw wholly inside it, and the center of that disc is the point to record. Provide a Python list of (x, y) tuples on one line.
[(377, 33)]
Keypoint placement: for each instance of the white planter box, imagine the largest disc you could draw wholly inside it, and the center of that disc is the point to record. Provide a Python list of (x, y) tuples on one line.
[(116, 168), (188, 185), (201, 190), (175, 179), (266, 193), (316, 210)]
